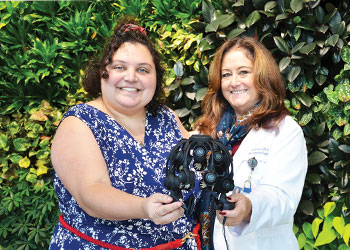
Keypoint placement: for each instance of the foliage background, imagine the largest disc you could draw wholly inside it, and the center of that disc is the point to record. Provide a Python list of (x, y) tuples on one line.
[(45, 45)]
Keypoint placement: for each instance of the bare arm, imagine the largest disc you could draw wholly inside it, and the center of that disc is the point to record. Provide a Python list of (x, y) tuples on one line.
[(78, 162)]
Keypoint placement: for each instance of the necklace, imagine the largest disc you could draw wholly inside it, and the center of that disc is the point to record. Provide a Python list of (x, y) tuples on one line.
[(139, 139)]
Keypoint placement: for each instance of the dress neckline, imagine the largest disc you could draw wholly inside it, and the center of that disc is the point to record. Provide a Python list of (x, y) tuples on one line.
[(145, 141)]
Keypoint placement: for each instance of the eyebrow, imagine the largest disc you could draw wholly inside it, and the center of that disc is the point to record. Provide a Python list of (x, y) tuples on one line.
[(124, 62), (239, 68)]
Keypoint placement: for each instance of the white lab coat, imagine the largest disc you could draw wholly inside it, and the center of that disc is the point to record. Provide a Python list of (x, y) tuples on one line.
[(277, 184)]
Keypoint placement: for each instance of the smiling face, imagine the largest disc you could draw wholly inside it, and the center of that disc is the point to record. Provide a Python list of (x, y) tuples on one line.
[(132, 79), (237, 81)]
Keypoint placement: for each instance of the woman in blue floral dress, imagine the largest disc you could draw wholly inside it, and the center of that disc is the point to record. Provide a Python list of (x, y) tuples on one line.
[(109, 155)]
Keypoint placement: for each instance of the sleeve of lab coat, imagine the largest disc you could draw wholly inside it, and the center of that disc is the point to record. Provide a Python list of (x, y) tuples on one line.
[(276, 199)]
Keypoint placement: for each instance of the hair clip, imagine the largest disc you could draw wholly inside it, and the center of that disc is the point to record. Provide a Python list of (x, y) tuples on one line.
[(129, 26)]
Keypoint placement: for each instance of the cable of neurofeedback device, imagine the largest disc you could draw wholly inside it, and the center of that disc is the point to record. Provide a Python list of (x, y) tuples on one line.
[(223, 231)]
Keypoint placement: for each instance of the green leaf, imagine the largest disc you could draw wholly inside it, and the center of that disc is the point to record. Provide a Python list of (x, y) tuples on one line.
[(32, 178), (319, 128), (297, 19), (281, 44), (187, 81), (221, 22), (307, 207), (207, 11), (313, 178), (281, 17), (345, 54), (337, 134), (346, 235), (284, 63), (331, 95), (43, 154), (305, 119), (306, 49), (341, 28), (235, 33), (332, 41), (293, 73), (304, 98), (325, 237), (345, 148), (296, 5), (301, 240), (178, 94), (295, 229), (333, 149), (327, 224), (343, 92), (21, 144), (190, 95), (182, 112), (316, 157), (319, 14), (238, 3), (328, 208), (335, 22), (307, 229), (347, 129), (225, 20), (339, 225), (3, 141), (14, 158), (24, 162), (306, 27), (204, 45), (201, 93), (343, 247), (316, 226), (297, 47), (270, 5), (252, 18)]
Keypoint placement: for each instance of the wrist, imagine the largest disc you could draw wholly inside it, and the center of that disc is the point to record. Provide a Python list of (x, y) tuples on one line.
[(145, 214), (249, 212)]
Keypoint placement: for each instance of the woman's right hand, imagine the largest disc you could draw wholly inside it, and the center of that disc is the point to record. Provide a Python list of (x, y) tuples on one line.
[(161, 210)]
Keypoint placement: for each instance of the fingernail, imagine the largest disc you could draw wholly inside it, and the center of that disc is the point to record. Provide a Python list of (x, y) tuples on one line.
[(228, 198), (222, 213)]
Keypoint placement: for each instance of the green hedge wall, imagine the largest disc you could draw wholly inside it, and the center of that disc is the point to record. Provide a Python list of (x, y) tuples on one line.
[(44, 46)]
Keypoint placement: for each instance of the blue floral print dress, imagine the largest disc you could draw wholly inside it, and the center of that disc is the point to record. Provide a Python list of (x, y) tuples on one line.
[(135, 169)]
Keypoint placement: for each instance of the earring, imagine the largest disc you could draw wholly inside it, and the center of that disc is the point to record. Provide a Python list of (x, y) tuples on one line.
[(105, 75)]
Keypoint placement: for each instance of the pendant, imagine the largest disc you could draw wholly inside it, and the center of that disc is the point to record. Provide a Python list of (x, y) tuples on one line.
[(252, 163)]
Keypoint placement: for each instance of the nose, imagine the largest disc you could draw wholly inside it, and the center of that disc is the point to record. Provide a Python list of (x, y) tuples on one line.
[(130, 75), (234, 79)]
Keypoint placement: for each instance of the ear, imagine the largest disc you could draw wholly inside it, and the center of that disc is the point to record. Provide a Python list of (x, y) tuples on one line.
[(104, 75)]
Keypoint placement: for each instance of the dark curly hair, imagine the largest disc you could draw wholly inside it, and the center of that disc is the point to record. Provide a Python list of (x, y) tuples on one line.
[(96, 68)]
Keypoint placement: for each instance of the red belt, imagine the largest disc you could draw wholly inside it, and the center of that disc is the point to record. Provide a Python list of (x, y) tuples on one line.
[(170, 245)]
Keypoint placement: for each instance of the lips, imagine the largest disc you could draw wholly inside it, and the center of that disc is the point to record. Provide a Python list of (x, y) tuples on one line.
[(130, 89), (239, 91)]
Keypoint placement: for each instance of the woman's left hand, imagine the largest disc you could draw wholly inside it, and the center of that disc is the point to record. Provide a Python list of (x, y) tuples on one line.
[(161, 209), (242, 210)]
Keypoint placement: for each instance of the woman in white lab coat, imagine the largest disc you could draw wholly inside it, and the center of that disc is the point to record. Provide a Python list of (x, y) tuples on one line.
[(244, 108)]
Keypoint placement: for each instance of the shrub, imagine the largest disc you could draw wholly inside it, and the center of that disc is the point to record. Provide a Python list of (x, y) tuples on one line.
[(329, 230), (44, 46)]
